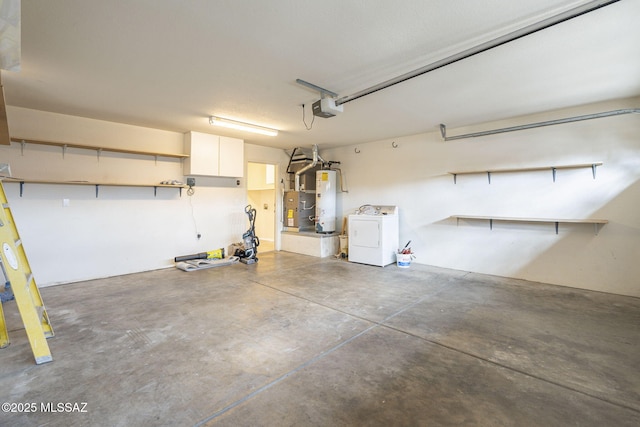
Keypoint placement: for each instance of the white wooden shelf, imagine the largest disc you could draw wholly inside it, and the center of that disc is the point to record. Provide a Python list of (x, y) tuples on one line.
[(553, 170), (596, 222), (97, 185), (65, 145)]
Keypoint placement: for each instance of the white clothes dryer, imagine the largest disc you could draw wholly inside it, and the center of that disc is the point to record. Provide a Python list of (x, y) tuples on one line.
[(374, 235)]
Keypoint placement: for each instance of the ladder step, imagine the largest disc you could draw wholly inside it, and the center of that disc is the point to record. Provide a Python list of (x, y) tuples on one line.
[(16, 269)]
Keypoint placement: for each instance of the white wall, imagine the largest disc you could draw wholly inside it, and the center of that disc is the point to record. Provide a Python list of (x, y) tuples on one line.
[(414, 177), (125, 229)]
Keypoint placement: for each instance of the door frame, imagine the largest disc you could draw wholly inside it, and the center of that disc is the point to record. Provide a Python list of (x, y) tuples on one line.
[(278, 194)]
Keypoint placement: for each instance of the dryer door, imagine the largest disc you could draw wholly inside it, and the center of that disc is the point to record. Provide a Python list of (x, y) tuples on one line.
[(364, 232)]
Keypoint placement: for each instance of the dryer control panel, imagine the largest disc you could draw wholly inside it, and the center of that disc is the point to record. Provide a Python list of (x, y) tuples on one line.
[(377, 210)]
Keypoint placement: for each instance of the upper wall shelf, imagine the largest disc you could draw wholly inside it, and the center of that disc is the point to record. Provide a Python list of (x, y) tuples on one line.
[(553, 170), (65, 145)]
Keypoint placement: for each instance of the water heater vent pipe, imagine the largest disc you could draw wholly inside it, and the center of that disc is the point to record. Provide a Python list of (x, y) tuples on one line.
[(311, 165)]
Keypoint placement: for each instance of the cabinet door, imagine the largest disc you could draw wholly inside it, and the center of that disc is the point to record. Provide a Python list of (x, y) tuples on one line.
[(203, 150), (231, 157)]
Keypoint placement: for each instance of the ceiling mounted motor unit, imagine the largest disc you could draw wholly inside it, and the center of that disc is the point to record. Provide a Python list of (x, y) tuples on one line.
[(326, 107)]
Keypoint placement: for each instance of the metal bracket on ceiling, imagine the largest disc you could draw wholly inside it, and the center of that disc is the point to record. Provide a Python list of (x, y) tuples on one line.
[(443, 131), (323, 92), (443, 128)]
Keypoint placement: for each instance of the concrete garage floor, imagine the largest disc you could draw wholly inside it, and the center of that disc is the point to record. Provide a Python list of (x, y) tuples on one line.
[(297, 341)]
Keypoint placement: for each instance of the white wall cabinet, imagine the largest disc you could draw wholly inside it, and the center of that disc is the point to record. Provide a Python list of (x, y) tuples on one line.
[(213, 155), (203, 150), (231, 157)]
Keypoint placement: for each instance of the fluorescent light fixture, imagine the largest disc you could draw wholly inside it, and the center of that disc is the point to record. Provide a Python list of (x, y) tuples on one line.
[(233, 124)]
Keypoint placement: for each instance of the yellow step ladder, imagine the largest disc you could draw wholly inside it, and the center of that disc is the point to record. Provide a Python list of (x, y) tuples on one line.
[(17, 271)]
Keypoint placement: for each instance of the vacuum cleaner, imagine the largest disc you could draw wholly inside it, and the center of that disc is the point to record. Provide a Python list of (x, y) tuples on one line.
[(248, 254)]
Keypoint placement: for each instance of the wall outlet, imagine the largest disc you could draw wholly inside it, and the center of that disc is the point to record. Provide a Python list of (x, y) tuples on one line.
[(191, 182), (65, 203)]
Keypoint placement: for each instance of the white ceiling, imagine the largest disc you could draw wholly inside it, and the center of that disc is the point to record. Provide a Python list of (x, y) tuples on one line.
[(169, 64)]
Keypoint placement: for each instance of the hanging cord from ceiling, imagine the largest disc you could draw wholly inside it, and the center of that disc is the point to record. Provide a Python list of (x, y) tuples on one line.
[(305, 122)]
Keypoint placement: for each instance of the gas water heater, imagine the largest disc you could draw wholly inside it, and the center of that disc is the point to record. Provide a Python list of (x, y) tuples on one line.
[(325, 201)]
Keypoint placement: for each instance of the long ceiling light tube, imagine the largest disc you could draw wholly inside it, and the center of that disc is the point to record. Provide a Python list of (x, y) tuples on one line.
[(525, 31), (234, 124)]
